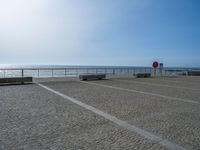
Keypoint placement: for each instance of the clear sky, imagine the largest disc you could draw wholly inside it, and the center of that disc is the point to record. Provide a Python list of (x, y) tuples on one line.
[(100, 32)]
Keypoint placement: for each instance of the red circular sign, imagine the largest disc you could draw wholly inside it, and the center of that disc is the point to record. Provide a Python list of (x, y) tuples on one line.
[(155, 64)]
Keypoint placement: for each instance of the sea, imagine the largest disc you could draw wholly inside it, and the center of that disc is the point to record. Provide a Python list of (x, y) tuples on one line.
[(76, 70)]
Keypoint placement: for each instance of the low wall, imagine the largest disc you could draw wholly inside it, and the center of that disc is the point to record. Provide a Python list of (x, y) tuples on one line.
[(193, 73), (16, 80)]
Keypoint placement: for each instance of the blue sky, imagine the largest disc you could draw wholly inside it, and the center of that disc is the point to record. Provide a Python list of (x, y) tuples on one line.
[(100, 32)]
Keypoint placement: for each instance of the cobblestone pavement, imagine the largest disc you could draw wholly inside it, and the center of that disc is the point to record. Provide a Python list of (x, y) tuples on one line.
[(34, 118), (190, 82), (188, 94)]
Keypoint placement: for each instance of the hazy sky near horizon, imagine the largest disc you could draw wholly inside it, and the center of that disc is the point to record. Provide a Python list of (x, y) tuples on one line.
[(100, 32)]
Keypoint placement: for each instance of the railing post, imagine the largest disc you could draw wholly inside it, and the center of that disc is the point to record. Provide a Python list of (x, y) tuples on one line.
[(77, 72), (52, 72), (22, 76), (113, 71), (38, 73), (4, 73), (22, 73), (65, 72)]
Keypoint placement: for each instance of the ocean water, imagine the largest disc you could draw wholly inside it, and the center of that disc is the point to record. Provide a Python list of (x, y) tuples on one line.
[(72, 71)]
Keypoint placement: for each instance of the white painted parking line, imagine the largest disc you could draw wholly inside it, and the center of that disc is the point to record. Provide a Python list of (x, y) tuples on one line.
[(172, 81), (161, 85), (141, 92), (124, 124)]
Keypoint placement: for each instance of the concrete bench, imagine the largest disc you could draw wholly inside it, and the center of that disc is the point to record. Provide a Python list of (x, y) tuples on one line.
[(16, 80), (143, 75), (92, 76), (193, 73)]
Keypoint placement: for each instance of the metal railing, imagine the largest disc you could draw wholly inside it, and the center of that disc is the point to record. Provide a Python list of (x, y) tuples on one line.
[(76, 71), (70, 72)]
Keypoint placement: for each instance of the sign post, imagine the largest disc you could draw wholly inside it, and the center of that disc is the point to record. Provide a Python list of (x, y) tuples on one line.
[(161, 68), (155, 65)]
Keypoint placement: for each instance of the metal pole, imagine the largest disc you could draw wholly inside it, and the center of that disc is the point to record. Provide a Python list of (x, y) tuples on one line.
[(113, 71), (22, 73), (65, 72), (77, 72), (128, 71), (161, 71), (38, 73), (52, 72), (154, 72), (22, 76), (4, 73)]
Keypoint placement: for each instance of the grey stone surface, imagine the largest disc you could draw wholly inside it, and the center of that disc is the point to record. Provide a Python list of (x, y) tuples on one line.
[(191, 82), (33, 118), (176, 121), (166, 91)]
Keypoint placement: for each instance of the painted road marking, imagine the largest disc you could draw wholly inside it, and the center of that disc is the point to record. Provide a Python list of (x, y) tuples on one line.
[(177, 81), (155, 84), (124, 124), (141, 92)]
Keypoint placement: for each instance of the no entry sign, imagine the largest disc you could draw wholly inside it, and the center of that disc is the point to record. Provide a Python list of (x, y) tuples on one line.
[(155, 64)]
